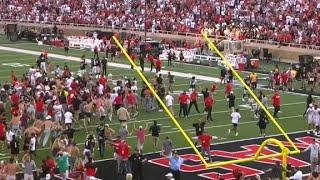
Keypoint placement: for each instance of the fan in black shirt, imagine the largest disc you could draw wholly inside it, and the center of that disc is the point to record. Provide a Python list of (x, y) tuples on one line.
[(231, 99), (199, 128), (137, 160), (70, 133), (155, 131), (205, 93)]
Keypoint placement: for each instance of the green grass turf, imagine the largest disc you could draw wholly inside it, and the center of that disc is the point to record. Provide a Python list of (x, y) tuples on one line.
[(290, 118)]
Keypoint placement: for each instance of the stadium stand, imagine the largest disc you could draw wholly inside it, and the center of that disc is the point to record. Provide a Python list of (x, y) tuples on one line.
[(288, 21)]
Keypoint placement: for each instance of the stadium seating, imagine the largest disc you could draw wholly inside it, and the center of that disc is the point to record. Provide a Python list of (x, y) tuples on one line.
[(288, 21)]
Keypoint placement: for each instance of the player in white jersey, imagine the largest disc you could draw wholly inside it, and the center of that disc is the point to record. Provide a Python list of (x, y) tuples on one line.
[(310, 118)]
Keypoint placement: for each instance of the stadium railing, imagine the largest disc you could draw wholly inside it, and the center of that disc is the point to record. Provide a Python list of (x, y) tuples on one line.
[(187, 34)]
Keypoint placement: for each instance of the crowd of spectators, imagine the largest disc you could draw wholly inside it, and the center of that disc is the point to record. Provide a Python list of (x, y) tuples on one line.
[(290, 21)]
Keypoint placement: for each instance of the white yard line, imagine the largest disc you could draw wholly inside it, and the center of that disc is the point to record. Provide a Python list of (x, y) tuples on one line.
[(118, 65), (207, 127)]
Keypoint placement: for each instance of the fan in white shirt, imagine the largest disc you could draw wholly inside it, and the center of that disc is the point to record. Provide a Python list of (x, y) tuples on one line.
[(316, 118), (235, 118), (169, 102), (297, 175), (310, 118), (57, 108), (68, 118)]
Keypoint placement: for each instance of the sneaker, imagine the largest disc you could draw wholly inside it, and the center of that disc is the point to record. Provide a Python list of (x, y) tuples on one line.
[(308, 132), (242, 99), (229, 131), (160, 110), (237, 133)]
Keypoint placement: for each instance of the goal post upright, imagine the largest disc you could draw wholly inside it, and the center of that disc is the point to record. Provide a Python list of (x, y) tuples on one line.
[(285, 151), (166, 110)]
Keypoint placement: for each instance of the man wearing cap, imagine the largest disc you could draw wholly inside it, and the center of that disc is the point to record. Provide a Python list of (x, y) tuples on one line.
[(175, 163), (141, 136), (109, 132), (47, 130), (311, 122)]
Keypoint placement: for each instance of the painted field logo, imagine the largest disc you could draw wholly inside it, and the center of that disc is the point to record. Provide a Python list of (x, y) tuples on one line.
[(15, 64)]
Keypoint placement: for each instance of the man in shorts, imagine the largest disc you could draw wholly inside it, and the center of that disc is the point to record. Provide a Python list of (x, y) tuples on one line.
[(155, 132), (235, 118), (310, 118)]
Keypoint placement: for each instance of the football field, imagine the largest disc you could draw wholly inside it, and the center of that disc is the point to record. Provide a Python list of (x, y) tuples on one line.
[(290, 117)]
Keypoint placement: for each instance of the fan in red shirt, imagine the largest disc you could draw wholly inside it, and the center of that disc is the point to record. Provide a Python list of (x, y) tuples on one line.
[(90, 168), (193, 101), (285, 79), (2, 133), (276, 100), (208, 103), (118, 101), (132, 103), (277, 80), (122, 150), (102, 80), (183, 100), (228, 89), (214, 87), (50, 164), (205, 140), (74, 85), (15, 98), (158, 65), (39, 108), (151, 60)]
